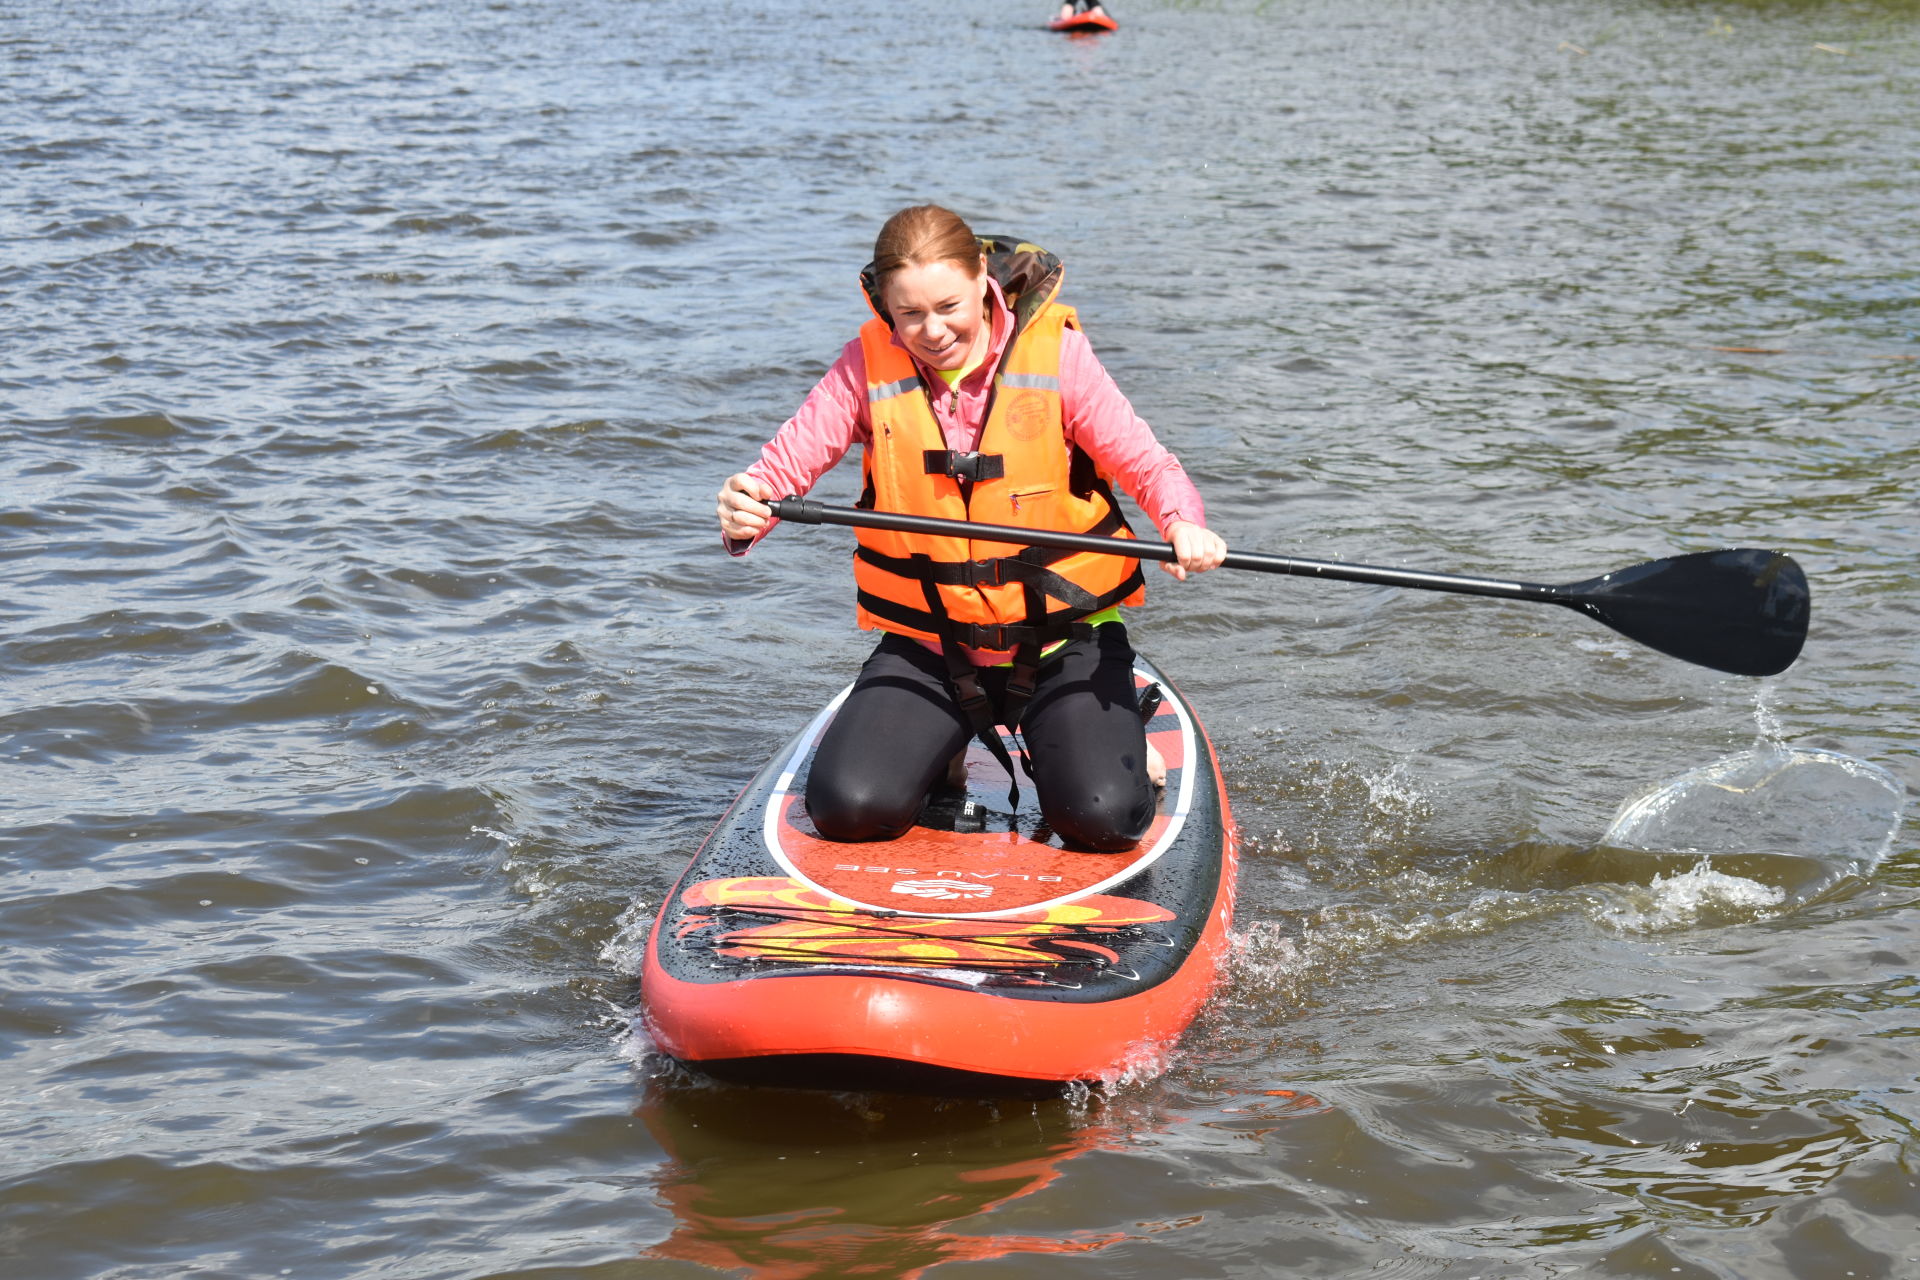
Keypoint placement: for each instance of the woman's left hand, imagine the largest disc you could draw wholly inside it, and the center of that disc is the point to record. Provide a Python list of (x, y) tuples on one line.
[(1199, 549)]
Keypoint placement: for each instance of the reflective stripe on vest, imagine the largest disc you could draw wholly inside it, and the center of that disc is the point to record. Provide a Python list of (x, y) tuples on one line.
[(889, 390)]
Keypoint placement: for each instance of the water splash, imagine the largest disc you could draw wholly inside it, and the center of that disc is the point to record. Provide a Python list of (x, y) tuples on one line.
[(1773, 799), (626, 950), (1766, 722), (1772, 826), (1687, 898), (1145, 1061)]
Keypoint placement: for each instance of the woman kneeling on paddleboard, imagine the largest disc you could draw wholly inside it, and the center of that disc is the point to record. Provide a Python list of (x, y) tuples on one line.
[(975, 396)]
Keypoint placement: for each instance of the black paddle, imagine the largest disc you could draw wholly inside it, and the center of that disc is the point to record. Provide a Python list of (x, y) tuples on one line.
[(1743, 610)]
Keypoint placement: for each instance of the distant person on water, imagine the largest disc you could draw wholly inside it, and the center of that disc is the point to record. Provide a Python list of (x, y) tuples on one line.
[(1089, 8), (974, 395)]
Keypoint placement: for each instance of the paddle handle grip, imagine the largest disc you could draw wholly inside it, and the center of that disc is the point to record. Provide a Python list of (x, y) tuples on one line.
[(808, 511)]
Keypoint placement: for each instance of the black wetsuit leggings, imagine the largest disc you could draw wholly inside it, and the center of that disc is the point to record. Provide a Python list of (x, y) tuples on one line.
[(893, 736)]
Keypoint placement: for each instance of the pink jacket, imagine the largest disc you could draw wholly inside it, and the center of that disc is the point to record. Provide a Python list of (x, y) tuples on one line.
[(1098, 418)]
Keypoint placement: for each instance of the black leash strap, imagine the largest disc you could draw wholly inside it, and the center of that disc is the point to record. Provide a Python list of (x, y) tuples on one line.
[(973, 700)]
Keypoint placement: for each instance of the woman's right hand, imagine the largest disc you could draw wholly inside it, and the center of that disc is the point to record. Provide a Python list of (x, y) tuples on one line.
[(1198, 549), (744, 515)]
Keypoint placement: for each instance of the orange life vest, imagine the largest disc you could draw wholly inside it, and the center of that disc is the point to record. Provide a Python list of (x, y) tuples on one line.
[(987, 595)]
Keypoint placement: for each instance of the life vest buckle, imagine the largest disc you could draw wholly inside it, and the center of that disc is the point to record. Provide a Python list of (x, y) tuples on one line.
[(972, 467), (990, 635), (985, 573)]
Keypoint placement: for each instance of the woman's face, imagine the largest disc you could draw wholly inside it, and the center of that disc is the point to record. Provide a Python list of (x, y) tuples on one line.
[(939, 312)]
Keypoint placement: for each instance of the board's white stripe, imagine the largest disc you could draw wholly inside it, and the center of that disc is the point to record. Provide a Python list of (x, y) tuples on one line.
[(1181, 804)]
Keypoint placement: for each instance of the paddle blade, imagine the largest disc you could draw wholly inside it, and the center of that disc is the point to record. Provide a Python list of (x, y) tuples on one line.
[(1743, 611)]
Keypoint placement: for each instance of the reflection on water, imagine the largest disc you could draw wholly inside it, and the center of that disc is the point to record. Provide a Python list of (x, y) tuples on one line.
[(781, 1183)]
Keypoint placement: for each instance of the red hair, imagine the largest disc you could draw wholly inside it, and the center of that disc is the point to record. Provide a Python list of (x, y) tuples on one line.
[(920, 236)]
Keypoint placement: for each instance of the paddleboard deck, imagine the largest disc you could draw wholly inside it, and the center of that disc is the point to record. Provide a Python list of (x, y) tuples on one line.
[(974, 952)]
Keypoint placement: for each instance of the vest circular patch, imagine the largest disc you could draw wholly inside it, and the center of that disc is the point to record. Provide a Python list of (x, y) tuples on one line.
[(1027, 415)]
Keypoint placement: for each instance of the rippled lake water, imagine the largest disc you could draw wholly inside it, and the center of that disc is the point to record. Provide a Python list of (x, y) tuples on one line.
[(369, 666)]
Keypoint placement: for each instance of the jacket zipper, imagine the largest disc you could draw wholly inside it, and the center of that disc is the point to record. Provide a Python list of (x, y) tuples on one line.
[(1014, 498)]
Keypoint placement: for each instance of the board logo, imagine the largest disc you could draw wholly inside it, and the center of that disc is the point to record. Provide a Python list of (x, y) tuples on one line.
[(945, 889)]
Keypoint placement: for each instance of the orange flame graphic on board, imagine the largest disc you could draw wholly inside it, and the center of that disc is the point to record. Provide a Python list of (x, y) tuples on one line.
[(813, 928)]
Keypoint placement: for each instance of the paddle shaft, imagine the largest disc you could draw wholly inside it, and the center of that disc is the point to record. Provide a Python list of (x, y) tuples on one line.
[(807, 511)]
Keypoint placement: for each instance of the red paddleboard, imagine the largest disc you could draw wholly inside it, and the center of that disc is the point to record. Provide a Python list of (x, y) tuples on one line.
[(1084, 22), (975, 953)]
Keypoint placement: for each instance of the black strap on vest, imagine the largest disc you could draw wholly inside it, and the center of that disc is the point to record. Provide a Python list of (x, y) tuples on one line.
[(973, 700), (1026, 668), (996, 572), (1029, 568), (970, 467), (1062, 624)]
